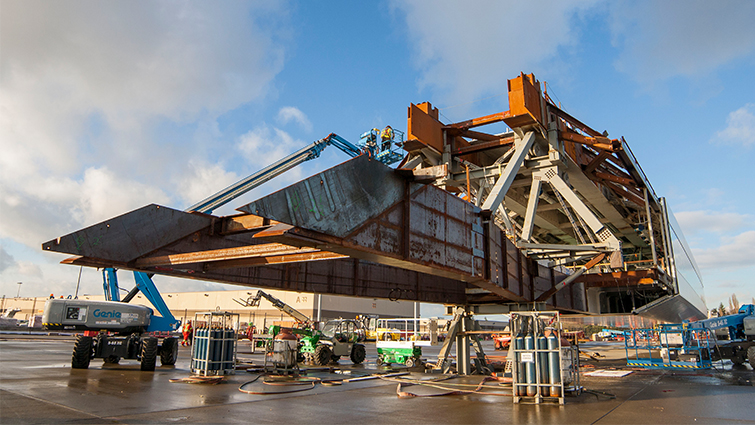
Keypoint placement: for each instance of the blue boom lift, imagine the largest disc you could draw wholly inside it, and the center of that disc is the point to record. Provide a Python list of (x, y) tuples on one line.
[(695, 344), (116, 329)]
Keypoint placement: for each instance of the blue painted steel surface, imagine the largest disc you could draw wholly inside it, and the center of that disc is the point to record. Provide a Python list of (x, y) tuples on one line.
[(148, 288), (110, 284), (733, 322)]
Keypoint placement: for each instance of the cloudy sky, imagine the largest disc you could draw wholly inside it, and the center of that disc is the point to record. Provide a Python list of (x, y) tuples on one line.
[(109, 106)]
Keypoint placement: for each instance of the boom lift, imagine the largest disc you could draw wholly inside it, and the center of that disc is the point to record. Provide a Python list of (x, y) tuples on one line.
[(367, 144), (741, 333), (115, 329), (694, 344)]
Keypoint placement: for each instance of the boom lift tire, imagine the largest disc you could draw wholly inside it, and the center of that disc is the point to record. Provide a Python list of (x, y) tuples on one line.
[(322, 355), (358, 353), (149, 354), (82, 352), (169, 352), (751, 356)]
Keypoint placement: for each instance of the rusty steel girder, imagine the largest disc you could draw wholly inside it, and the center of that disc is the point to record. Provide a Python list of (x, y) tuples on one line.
[(358, 229)]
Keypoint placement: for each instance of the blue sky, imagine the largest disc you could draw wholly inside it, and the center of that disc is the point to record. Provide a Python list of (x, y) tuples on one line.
[(108, 106)]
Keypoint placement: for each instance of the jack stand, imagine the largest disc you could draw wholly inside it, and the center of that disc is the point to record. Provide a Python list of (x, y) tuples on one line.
[(459, 331)]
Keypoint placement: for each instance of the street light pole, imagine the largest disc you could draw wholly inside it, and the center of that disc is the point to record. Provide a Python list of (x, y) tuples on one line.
[(19, 289)]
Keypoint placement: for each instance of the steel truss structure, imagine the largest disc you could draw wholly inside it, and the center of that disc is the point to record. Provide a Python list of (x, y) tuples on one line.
[(550, 212)]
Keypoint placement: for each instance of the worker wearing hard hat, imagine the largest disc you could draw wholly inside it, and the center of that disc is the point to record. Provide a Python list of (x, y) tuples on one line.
[(386, 136)]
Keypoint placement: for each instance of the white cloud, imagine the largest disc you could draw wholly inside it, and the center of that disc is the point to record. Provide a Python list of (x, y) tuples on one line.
[(290, 113), (660, 39), (104, 194), (30, 270), (740, 127), (47, 207), (466, 49), (203, 180), (737, 251), (693, 222), (86, 86), (6, 260), (263, 146), (470, 48)]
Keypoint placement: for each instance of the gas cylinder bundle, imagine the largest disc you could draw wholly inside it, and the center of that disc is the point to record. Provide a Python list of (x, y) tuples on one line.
[(537, 355), (214, 348)]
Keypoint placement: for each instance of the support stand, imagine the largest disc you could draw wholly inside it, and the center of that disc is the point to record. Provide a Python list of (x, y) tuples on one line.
[(457, 332)]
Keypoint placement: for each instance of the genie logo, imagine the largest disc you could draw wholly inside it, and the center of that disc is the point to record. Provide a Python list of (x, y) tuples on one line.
[(107, 314)]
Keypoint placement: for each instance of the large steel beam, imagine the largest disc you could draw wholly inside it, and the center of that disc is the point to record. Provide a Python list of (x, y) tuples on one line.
[(404, 240)]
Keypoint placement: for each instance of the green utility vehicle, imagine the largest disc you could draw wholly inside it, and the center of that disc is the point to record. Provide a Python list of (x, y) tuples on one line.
[(403, 352), (338, 338)]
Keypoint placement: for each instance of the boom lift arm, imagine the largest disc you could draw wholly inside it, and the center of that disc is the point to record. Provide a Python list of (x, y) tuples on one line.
[(243, 186)]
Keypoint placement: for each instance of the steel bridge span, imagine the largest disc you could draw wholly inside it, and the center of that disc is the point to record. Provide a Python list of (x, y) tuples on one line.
[(548, 214)]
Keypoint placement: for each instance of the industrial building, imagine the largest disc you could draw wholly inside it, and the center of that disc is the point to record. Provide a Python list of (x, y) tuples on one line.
[(184, 305)]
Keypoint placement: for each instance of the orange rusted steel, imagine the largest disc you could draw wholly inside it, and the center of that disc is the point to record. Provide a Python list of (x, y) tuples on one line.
[(636, 277), (616, 179), (598, 142), (573, 121), (590, 264), (595, 162), (476, 122), (483, 146), (423, 124), (473, 134), (629, 193), (244, 252), (525, 102)]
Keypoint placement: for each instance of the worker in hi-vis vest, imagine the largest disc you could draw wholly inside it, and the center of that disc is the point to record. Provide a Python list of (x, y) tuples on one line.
[(187, 333), (386, 136)]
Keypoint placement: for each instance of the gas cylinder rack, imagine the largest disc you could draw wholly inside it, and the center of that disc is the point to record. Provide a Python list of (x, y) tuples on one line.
[(214, 350), (537, 371)]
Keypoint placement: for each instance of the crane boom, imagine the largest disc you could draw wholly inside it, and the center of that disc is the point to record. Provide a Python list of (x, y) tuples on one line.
[(280, 305)]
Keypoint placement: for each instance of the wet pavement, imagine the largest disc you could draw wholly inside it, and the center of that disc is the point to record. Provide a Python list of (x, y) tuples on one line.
[(37, 385)]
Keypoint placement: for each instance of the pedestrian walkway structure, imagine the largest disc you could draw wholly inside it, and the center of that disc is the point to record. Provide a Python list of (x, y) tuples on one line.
[(547, 214)]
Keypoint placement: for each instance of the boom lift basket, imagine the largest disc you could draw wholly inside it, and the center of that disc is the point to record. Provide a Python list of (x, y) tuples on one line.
[(669, 347)]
